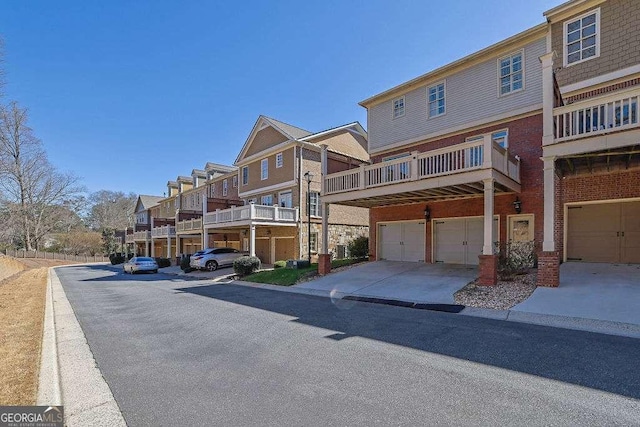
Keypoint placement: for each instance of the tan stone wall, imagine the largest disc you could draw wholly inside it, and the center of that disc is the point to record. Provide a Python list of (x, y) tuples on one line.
[(276, 175), (338, 235), (619, 42)]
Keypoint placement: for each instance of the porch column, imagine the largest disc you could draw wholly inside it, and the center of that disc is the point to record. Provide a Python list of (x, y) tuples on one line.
[(203, 232), (153, 248), (252, 240), (488, 261), (547, 97), (168, 245), (324, 258), (178, 241), (549, 258)]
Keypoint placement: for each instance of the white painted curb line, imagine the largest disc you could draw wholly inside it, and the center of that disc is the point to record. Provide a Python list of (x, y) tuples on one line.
[(86, 396), (49, 379)]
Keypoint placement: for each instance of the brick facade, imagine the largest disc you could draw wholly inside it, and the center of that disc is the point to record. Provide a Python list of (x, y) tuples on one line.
[(525, 136)]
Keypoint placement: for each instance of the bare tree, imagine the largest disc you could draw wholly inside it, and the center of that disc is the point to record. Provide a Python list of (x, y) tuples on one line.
[(35, 194), (111, 209)]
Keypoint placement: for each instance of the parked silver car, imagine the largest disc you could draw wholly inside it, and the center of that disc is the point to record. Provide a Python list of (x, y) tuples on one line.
[(140, 263), (212, 258)]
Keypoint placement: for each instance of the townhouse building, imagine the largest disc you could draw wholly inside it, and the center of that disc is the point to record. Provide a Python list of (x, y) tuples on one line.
[(533, 139), (138, 237)]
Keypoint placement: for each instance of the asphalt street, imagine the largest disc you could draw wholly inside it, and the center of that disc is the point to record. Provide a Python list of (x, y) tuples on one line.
[(182, 352)]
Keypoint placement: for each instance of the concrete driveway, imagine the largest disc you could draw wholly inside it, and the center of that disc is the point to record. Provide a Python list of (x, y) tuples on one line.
[(592, 291), (408, 281)]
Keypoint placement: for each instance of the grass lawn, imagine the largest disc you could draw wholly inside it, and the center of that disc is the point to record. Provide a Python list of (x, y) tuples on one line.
[(290, 276), (23, 288)]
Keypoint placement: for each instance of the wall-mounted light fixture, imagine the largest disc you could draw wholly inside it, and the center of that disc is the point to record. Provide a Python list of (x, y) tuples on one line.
[(427, 213), (517, 205)]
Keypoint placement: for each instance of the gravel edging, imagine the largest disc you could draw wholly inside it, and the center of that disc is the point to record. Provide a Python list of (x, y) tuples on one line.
[(504, 295)]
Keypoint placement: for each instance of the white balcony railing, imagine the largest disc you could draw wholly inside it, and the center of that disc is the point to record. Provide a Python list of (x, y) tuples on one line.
[(252, 213), (141, 235), (444, 161), (591, 117), (129, 238), (189, 225), (163, 231)]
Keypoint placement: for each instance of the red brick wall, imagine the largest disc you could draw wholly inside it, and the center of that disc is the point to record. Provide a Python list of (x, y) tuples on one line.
[(584, 188), (525, 141)]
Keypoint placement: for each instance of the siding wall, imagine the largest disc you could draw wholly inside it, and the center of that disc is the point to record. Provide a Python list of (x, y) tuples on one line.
[(619, 42), (471, 95)]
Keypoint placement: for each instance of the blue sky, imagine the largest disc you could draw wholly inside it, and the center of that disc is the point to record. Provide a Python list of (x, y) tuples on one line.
[(128, 95)]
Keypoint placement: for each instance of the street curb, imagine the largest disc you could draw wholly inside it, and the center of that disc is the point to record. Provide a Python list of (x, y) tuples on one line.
[(49, 393), (85, 394), (576, 323)]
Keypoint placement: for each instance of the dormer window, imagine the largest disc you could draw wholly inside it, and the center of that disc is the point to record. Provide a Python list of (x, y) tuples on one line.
[(398, 107)]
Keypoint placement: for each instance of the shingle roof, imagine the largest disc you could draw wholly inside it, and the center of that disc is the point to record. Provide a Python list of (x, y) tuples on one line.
[(292, 131), (149, 201)]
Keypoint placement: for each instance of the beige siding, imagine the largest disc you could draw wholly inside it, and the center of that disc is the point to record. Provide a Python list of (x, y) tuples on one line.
[(346, 143), (619, 42), (265, 139), (276, 175)]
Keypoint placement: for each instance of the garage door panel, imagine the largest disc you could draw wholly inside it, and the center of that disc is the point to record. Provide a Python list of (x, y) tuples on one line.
[(263, 250), (630, 251), (390, 241), (413, 240), (284, 249), (449, 241)]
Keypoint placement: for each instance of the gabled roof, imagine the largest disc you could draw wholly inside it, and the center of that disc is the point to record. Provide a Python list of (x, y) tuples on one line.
[(346, 148), (173, 184), (198, 172), (185, 179), (218, 167), (145, 202), (288, 131)]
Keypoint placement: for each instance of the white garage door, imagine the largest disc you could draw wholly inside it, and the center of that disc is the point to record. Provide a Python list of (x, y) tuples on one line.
[(460, 240), (401, 241), (605, 232)]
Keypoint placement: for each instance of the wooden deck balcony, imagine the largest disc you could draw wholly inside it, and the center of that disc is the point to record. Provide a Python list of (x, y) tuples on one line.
[(448, 172), (597, 116), (252, 213), (189, 225), (164, 231)]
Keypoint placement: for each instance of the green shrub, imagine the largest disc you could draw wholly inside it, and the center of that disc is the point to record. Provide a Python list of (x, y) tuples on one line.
[(359, 247), (163, 262), (184, 263), (280, 264), (116, 259), (246, 265), (515, 258)]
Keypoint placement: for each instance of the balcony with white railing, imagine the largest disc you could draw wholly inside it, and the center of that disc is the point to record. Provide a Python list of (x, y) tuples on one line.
[(456, 159), (252, 213), (597, 116), (129, 238), (164, 231), (141, 236), (189, 225)]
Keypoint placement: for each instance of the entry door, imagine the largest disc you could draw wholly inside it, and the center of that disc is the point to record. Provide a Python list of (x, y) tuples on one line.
[(606, 232), (402, 241)]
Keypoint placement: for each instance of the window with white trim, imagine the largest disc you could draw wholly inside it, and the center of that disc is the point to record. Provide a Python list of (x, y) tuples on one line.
[(264, 169), (436, 100), (279, 160), (313, 241), (510, 72), (234, 181), (212, 190), (582, 38), (314, 203), (225, 187), (285, 199), (398, 107), (245, 175), (267, 200)]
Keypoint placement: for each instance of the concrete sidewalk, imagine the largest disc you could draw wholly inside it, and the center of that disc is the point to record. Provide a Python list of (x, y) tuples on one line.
[(68, 372)]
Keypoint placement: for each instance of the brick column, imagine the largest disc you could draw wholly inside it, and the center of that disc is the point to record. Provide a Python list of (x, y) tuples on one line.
[(324, 264), (488, 270), (548, 269)]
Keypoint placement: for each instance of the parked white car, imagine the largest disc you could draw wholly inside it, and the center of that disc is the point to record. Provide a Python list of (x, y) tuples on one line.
[(213, 258), (140, 263)]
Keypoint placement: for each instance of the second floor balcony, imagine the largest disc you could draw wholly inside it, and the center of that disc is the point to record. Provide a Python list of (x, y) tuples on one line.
[(189, 225), (163, 231), (452, 171), (244, 215), (141, 236), (597, 116)]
